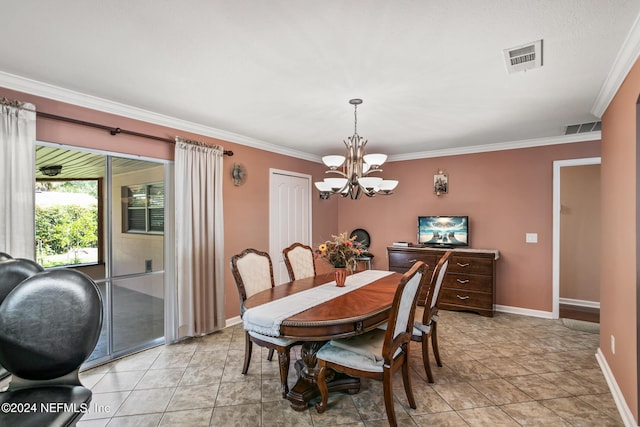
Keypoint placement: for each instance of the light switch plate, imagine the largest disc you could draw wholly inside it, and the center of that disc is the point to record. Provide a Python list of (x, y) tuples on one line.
[(531, 238)]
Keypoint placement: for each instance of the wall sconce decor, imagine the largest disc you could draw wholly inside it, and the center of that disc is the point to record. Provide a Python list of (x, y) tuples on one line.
[(239, 174), (440, 183)]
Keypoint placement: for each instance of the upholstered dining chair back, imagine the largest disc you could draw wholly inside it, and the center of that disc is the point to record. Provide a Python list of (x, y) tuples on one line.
[(427, 330), (253, 271), (49, 325), (403, 311), (433, 295), (299, 261)]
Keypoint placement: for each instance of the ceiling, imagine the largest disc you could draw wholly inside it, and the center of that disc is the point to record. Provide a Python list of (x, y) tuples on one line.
[(279, 74), (82, 164)]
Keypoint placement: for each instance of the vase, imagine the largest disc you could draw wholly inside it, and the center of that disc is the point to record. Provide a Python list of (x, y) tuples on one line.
[(341, 275)]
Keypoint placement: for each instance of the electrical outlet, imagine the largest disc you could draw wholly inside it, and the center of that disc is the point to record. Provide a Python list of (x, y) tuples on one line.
[(613, 344), (148, 267)]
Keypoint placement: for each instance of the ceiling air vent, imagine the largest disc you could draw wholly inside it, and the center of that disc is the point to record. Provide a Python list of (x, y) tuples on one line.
[(582, 128), (523, 58)]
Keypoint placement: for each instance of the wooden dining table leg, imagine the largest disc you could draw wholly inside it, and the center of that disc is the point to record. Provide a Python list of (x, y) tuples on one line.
[(306, 388)]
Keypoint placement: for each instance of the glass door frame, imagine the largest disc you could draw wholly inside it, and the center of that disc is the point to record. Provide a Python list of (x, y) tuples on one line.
[(168, 255)]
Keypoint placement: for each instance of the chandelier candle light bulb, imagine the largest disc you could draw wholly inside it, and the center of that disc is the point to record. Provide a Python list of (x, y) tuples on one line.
[(354, 169)]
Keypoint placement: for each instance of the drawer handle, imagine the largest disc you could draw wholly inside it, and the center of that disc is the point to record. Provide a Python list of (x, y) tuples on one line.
[(462, 298), (413, 260), (463, 265), (462, 281)]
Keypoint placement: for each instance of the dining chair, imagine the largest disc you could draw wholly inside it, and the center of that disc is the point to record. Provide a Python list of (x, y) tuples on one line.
[(426, 330), (299, 261), (377, 354), (253, 272)]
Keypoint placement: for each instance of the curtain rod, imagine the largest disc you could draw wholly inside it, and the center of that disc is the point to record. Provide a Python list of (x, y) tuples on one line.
[(112, 131)]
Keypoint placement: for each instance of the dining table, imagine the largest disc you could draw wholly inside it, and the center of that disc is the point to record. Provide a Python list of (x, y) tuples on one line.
[(314, 310)]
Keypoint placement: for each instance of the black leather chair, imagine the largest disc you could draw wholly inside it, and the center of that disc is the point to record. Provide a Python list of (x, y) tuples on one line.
[(49, 324), (12, 272)]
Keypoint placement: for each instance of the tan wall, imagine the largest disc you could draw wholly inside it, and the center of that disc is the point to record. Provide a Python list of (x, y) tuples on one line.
[(580, 234), (618, 292), (506, 195)]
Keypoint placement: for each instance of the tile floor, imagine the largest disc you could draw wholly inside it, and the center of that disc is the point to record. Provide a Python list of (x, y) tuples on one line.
[(507, 370)]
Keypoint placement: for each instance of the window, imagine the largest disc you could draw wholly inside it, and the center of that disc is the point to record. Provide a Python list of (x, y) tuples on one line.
[(143, 208), (68, 226)]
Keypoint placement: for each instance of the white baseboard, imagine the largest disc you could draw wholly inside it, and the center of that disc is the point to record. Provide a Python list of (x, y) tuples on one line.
[(524, 311), (621, 404), (580, 302), (233, 321)]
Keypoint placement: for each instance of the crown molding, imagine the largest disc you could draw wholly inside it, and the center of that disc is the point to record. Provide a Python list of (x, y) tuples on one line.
[(45, 90), (56, 93), (514, 145), (626, 58)]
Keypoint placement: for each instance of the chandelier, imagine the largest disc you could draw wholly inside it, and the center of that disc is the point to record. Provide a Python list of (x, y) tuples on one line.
[(355, 168)]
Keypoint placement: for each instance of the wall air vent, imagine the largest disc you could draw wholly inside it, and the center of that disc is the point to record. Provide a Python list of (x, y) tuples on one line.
[(583, 127), (523, 58)]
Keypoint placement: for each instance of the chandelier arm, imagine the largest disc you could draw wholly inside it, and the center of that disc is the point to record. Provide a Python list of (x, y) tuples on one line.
[(354, 191), (338, 172), (341, 190), (371, 193), (370, 171)]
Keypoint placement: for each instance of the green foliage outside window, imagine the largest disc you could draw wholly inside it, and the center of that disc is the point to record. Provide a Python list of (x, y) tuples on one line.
[(61, 229), (67, 233)]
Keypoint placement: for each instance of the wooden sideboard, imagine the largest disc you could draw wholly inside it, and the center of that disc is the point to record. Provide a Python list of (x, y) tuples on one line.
[(470, 281)]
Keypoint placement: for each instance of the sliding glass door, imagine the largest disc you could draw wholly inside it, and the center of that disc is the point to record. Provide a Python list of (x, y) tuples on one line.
[(137, 253), (104, 215)]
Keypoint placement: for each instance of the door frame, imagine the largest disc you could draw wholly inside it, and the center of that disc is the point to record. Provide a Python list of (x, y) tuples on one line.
[(168, 248), (272, 206), (557, 165)]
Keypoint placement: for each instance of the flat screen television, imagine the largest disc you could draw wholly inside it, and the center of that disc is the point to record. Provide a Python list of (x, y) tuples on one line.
[(443, 231)]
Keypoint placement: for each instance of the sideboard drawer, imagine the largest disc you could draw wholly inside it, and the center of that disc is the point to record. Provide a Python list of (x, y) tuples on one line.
[(470, 299), (470, 265), (468, 282), (405, 260)]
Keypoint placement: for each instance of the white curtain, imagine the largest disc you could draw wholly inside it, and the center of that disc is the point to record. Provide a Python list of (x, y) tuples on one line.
[(199, 238), (17, 179)]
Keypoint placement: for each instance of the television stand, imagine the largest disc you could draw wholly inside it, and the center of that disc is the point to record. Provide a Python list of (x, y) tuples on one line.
[(470, 281)]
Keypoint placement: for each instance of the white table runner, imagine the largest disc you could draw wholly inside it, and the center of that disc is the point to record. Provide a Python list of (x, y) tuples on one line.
[(266, 318)]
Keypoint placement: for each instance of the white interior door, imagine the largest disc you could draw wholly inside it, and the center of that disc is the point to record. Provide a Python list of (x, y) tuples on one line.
[(289, 216)]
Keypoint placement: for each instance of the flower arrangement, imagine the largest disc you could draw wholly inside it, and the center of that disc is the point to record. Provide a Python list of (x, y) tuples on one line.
[(340, 251)]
